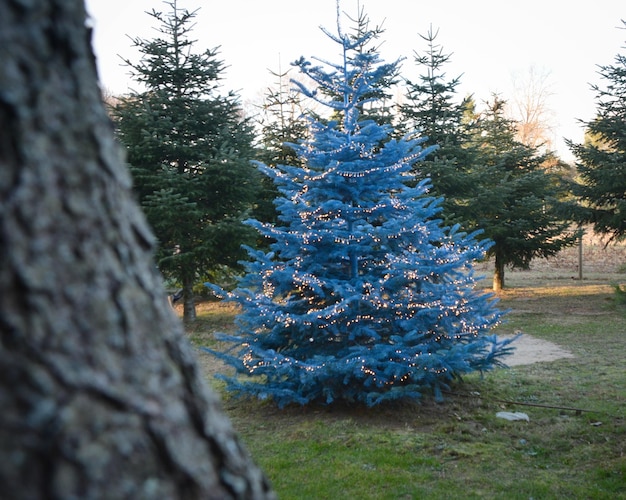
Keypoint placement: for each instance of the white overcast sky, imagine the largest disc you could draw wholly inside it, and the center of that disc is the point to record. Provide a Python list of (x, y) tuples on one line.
[(493, 42)]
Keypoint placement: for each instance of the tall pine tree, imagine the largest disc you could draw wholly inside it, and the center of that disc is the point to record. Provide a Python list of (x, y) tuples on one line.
[(601, 160), (281, 123), (517, 201), (364, 296), (430, 106), (378, 104), (189, 152)]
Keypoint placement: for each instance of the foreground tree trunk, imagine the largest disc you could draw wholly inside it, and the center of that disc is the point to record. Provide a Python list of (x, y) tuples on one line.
[(100, 394)]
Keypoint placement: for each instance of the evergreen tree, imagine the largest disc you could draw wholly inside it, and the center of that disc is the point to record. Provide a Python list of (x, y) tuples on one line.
[(189, 151), (378, 103), (364, 295), (517, 201), (430, 106), (601, 159), (281, 124)]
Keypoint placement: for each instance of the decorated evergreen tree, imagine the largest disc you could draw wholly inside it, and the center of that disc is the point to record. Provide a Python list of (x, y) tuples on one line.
[(364, 295), (378, 103)]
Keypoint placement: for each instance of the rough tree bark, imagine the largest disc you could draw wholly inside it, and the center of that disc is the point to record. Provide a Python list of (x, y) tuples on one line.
[(99, 391)]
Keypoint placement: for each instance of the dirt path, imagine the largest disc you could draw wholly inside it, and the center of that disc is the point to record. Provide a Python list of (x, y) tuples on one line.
[(529, 350)]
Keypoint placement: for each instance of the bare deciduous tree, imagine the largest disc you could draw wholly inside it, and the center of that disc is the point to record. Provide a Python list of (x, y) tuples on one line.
[(530, 108)]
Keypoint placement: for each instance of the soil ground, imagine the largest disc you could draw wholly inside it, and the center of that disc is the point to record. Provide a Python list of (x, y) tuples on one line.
[(529, 350)]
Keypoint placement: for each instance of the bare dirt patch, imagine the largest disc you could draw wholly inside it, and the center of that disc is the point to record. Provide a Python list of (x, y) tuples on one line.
[(529, 350)]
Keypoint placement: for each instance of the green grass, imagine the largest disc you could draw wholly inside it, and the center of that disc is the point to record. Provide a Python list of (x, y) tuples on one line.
[(459, 449)]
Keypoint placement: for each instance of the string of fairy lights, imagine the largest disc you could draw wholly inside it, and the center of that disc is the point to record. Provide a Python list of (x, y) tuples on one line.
[(413, 361)]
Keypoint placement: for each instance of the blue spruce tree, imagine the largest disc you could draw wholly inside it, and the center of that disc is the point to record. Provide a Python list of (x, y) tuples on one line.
[(364, 296)]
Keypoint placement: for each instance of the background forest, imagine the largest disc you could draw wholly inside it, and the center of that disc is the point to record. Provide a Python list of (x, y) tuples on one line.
[(190, 147)]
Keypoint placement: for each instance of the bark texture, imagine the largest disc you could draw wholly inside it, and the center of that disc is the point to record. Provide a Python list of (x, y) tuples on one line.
[(100, 393)]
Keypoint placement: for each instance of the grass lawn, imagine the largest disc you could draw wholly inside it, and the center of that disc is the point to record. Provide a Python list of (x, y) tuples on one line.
[(459, 449)]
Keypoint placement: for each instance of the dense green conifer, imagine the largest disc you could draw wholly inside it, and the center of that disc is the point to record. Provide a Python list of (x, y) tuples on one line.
[(190, 152)]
